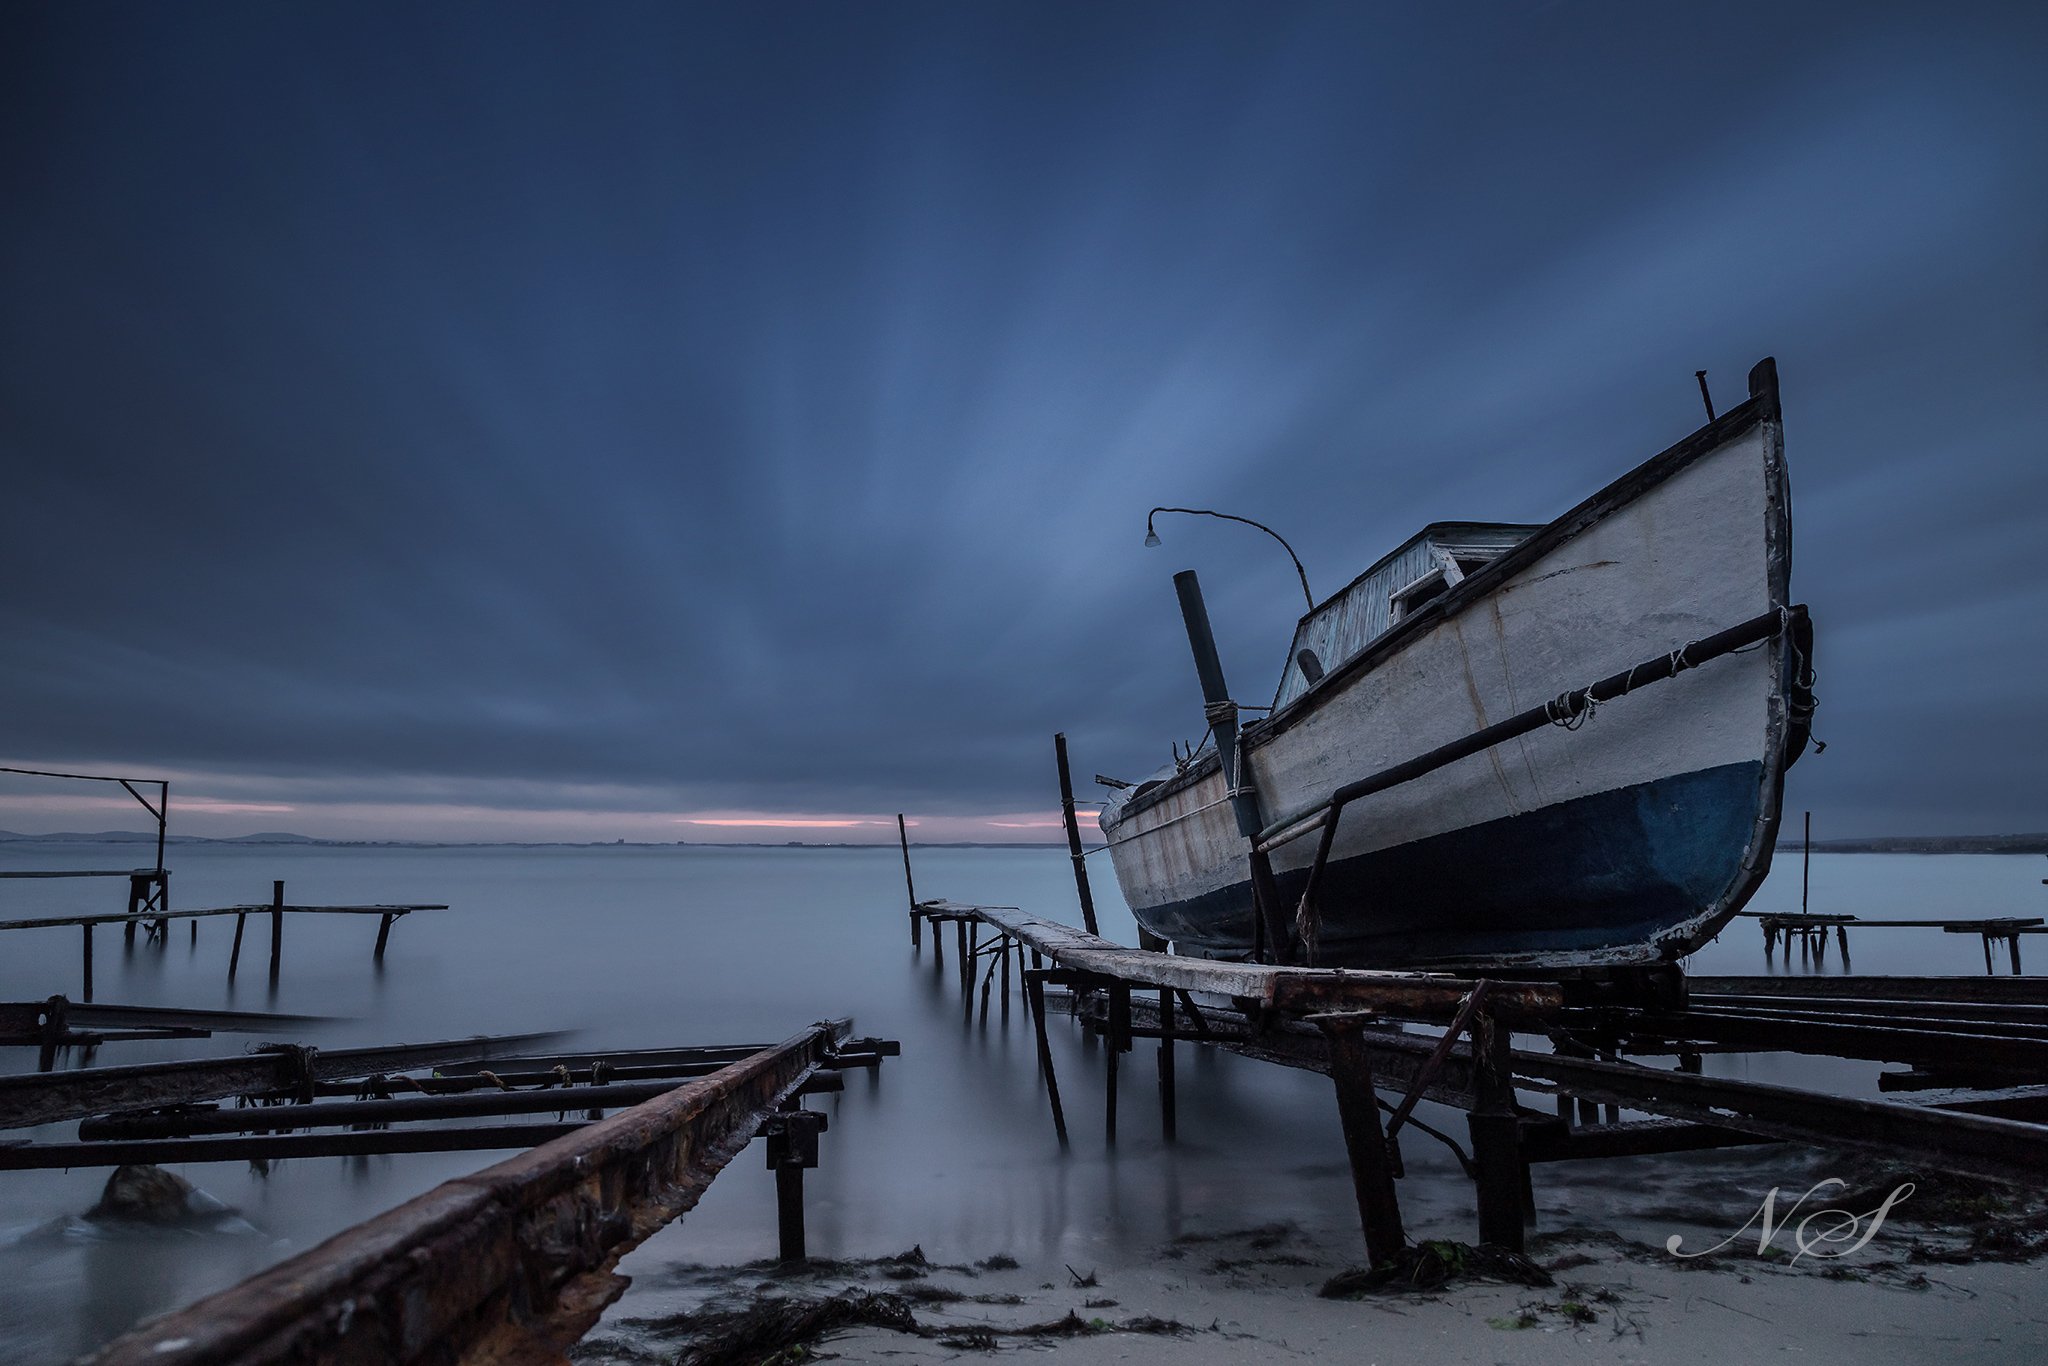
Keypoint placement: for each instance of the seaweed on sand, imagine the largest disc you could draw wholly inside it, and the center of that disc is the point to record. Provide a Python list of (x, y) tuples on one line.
[(1433, 1264), (777, 1330)]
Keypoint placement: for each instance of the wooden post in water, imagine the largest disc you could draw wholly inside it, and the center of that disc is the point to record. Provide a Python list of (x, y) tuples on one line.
[(1034, 989), (1059, 749), (903, 838), (87, 927), (383, 937), (1169, 1122), (276, 929), (235, 956), (1496, 1137), (1365, 1142), (1806, 864)]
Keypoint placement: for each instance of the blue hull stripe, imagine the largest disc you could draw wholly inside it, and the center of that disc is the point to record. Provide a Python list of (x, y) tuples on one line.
[(1607, 871)]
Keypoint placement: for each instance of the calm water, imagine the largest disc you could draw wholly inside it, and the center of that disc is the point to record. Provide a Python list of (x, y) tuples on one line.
[(949, 1146)]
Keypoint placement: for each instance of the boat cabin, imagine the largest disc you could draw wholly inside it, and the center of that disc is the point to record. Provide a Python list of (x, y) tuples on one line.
[(1428, 564)]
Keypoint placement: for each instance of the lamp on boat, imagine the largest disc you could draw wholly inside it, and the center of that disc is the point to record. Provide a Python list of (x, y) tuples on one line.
[(1152, 539)]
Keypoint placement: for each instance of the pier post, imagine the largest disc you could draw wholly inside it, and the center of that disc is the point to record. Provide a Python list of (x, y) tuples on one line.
[(792, 1136), (1365, 1142), (87, 927), (903, 838), (1500, 1172), (383, 937), (1169, 1123), (276, 929), (1059, 749), (235, 956), (1034, 989)]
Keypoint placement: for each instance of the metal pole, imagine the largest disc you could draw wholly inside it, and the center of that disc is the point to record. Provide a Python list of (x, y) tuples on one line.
[(1059, 749)]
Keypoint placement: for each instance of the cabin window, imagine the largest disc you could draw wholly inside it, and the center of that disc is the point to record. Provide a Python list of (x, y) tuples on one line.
[(1469, 565), (1430, 585)]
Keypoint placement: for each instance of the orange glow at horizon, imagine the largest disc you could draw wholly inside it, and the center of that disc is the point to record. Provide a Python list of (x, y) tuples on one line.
[(780, 823)]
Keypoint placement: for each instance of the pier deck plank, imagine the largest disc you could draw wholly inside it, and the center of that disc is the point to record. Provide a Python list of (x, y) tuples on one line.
[(1300, 990)]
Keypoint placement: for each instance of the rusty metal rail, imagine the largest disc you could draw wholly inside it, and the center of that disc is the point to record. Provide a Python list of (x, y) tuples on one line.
[(513, 1263), (50, 1097)]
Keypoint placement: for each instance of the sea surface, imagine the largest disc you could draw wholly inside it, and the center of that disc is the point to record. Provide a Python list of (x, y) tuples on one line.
[(948, 1147)]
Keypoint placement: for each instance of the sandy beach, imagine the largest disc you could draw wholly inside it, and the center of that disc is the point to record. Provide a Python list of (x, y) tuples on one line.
[(1253, 1295)]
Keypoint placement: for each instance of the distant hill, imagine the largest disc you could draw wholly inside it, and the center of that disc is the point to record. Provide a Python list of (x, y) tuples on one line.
[(1928, 844)]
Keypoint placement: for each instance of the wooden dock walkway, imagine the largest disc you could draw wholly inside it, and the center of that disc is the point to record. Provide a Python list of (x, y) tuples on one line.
[(1986, 1039)]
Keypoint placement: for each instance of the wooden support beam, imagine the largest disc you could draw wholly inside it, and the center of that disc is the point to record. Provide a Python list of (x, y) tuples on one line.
[(1500, 1173), (1169, 1121), (1034, 988), (1365, 1143)]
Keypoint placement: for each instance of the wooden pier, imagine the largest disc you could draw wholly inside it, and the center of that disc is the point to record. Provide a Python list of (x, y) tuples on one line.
[(157, 923), (1811, 930), (1978, 1046)]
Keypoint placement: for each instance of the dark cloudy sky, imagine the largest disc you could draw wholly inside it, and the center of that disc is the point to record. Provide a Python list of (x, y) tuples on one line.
[(563, 419)]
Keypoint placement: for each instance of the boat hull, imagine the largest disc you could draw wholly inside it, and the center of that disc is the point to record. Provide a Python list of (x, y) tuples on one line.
[(1629, 839)]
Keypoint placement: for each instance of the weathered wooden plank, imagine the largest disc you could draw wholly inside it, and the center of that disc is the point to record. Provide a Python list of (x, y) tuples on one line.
[(1299, 990), (512, 1263)]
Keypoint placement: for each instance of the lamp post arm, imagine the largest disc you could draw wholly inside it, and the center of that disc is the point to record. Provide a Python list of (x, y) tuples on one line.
[(1299, 572)]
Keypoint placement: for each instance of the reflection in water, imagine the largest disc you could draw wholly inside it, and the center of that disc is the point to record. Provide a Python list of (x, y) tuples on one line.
[(948, 1146)]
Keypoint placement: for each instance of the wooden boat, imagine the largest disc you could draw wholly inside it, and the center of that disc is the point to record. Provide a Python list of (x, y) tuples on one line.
[(1627, 833)]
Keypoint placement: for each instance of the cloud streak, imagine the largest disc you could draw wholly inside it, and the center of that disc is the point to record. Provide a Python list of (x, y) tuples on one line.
[(655, 410)]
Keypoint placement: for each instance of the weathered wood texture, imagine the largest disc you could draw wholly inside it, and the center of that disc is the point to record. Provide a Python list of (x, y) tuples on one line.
[(1410, 995), (511, 1264)]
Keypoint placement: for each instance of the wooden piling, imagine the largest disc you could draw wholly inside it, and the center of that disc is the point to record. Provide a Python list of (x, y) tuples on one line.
[(1034, 988), (1499, 1170), (235, 956), (1059, 749), (1169, 1123), (276, 929), (383, 937), (1365, 1142), (903, 838), (88, 960)]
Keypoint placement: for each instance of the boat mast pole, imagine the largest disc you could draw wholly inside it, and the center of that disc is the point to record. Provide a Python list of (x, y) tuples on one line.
[(1221, 714)]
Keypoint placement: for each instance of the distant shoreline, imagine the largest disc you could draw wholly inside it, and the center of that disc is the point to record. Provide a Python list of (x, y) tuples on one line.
[(1927, 844), (1882, 844), (283, 839)]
